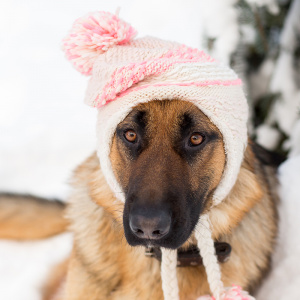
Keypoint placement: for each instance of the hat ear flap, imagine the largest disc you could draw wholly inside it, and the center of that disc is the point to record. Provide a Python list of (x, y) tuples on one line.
[(93, 35)]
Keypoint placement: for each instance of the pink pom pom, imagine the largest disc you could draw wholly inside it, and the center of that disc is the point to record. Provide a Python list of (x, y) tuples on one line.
[(233, 293), (93, 35)]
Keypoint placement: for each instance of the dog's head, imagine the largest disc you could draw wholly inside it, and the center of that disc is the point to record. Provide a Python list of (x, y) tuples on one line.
[(168, 158)]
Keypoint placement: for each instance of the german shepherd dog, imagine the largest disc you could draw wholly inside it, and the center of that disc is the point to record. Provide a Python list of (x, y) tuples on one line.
[(169, 159)]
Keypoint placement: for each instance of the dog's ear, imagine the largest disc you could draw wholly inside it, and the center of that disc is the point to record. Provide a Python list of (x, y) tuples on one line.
[(267, 157)]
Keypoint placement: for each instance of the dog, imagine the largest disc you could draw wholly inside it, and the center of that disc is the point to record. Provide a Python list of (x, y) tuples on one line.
[(169, 158)]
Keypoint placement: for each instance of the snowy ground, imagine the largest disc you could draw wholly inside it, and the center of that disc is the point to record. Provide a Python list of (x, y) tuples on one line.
[(284, 280), (46, 130)]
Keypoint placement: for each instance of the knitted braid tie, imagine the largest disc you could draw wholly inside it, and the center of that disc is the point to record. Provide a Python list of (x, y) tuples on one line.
[(213, 271), (207, 251), (168, 274), (210, 262)]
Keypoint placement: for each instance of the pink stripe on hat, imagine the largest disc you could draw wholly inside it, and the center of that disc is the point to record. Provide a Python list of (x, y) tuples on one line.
[(126, 76), (98, 103)]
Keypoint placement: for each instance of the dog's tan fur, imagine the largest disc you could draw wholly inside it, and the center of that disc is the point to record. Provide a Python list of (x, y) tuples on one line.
[(103, 266)]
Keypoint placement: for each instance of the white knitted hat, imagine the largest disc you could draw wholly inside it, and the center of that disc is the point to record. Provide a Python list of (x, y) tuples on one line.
[(125, 72)]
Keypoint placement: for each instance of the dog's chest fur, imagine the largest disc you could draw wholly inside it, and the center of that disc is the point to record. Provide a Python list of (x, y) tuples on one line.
[(104, 266)]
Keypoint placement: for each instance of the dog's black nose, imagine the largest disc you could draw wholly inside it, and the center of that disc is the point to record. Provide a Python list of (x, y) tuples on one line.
[(152, 227)]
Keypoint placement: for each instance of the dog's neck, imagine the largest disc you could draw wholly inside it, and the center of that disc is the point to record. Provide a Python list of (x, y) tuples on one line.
[(190, 257)]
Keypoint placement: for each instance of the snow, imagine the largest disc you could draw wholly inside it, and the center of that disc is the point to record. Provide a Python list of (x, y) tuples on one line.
[(294, 142), (286, 111), (221, 26), (261, 79), (271, 5), (220, 22), (46, 130), (25, 266), (284, 280), (267, 136)]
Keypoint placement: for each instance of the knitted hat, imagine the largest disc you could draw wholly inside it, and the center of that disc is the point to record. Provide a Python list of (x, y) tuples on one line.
[(125, 72)]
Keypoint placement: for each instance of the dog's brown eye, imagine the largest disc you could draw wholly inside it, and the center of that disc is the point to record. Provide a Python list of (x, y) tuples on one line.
[(130, 136), (196, 139)]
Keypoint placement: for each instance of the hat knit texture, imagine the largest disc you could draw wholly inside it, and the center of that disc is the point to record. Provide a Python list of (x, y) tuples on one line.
[(126, 72)]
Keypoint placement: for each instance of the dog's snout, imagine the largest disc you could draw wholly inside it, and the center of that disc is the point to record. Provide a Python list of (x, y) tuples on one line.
[(150, 227)]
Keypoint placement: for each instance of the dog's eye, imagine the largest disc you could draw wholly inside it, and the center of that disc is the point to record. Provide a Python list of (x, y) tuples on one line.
[(196, 139), (130, 136)]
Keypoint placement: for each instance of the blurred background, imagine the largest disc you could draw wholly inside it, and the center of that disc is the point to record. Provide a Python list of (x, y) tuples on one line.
[(46, 130)]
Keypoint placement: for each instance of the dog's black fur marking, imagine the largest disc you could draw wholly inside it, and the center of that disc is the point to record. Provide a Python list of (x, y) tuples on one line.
[(267, 157)]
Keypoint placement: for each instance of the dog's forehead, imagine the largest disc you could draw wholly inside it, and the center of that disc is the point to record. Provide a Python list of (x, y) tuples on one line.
[(169, 112)]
